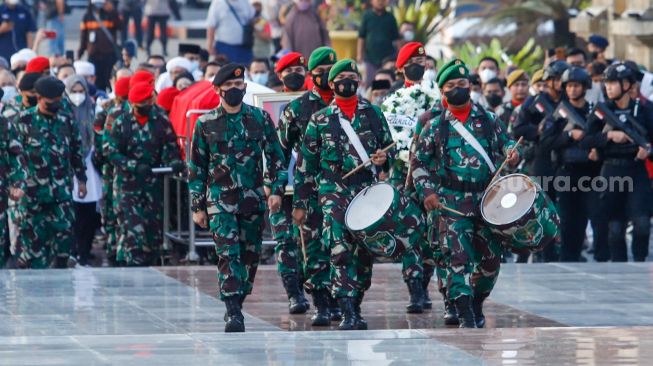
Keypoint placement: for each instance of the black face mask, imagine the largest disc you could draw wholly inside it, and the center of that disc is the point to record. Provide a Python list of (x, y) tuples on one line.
[(414, 72), (31, 101), (594, 55), (346, 88), (53, 107), (321, 80), (143, 110), (233, 96), (293, 81), (494, 100), (457, 96)]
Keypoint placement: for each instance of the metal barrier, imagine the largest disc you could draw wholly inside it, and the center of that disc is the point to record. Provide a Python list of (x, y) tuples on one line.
[(191, 238)]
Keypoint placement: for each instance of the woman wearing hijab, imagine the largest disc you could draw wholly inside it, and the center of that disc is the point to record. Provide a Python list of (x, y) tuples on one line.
[(86, 213)]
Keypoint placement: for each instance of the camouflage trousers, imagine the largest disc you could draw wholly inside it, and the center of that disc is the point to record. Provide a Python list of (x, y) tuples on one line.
[(139, 228), (238, 239), (317, 267), (473, 255), (289, 256), (109, 217), (44, 231), (3, 233), (435, 259)]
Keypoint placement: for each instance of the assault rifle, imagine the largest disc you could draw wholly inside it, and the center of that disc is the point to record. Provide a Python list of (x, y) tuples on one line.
[(568, 112), (625, 123)]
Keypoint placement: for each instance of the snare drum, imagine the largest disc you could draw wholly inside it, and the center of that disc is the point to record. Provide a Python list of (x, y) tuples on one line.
[(383, 221), (517, 209)]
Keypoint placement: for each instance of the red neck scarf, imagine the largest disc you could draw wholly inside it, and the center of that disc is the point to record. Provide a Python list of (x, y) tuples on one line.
[(408, 84), (142, 120), (348, 106), (327, 95), (461, 113), (516, 103)]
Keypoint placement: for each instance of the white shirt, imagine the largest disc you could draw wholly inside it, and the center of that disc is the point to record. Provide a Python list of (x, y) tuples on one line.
[(228, 29)]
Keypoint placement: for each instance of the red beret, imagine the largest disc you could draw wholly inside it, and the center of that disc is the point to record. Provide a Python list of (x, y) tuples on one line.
[(142, 76), (122, 87), (291, 59), (140, 92), (409, 50), (38, 64), (166, 97)]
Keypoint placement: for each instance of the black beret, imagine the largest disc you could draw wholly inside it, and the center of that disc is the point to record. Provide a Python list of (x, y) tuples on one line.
[(28, 80), (185, 48), (229, 72), (49, 87)]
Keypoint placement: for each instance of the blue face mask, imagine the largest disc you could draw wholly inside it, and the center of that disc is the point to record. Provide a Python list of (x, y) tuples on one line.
[(260, 78)]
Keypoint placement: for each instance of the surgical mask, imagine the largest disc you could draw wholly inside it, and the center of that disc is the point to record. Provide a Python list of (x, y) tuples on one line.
[(12, 2), (494, 100), (10, 92), (457, 96), (233, 96), (77, 98), (53, 107), (487, 75), (378, 101), (303, 5), (143, 110), (260, 78), (346, 88), (194, 65), (475, 96), (293, 81), (414, 72), (409, 36), (429, 75)]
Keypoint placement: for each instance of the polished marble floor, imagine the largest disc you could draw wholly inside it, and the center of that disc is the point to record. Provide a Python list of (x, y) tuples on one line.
[(553, 314)]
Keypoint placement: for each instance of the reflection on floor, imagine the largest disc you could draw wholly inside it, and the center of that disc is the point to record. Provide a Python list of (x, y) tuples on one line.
[(539, 314)]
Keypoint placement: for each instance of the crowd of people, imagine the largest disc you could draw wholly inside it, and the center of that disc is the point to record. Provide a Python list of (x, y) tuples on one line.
[(82, 138)]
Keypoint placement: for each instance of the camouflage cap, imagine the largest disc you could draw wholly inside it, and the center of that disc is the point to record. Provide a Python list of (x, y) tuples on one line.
[(343, 66), (454, 69), (322, 56)]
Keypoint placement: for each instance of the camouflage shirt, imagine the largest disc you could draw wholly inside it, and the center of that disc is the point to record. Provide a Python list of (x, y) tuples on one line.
[(328, 154), (102, 127), (226, 163), (434, 164), (12, 161), (294, 119), (131, 144), (53, 151)]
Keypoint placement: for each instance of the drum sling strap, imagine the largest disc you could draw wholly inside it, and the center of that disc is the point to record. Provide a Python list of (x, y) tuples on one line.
[(442, 138)]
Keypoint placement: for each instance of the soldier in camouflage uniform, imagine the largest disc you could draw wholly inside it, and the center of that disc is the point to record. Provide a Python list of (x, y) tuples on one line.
[(292, 70), (292, 125), (141, 138), (226, 185), (26, 99), (446, 167), (327, 155), (517, 83), (52, 144), (102, 127), (12, 175), (411, 62)]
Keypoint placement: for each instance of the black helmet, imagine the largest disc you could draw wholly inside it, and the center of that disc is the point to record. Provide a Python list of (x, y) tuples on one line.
[(619, 72), (555, 70), (639, 75), (577, 74)]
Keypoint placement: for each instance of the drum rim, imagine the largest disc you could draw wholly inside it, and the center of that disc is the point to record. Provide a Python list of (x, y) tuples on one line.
[(492, 184), (358, 194)]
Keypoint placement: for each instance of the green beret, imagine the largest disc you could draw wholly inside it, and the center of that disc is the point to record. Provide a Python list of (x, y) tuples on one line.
[(322, 56), (343, 66), (454, 69)]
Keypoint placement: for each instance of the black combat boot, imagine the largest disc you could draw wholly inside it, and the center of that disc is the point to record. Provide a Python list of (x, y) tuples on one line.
[(321, 317), (428, 274), (334, 309), (465, 312), (349, 319), (235, 319), (297, 303), (241, 300), (362, 323), (450, 315), (415, 306), (477, 305)]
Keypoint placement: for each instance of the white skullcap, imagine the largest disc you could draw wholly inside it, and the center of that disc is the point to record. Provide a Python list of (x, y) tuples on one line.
[(182, 62), (84, 68), (24, 55)]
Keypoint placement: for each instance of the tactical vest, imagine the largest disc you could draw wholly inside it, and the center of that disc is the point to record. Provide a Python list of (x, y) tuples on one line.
[(628, 149), (575, 154)]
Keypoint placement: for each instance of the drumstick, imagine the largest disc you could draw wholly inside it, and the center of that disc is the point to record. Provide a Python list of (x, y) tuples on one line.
[(452, 210), (506, 160), (361, 166), (301, 238)]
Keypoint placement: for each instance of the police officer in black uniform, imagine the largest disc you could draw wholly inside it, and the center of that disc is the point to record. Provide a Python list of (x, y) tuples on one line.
[(530, 124), (577, 202), (624, 159)]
